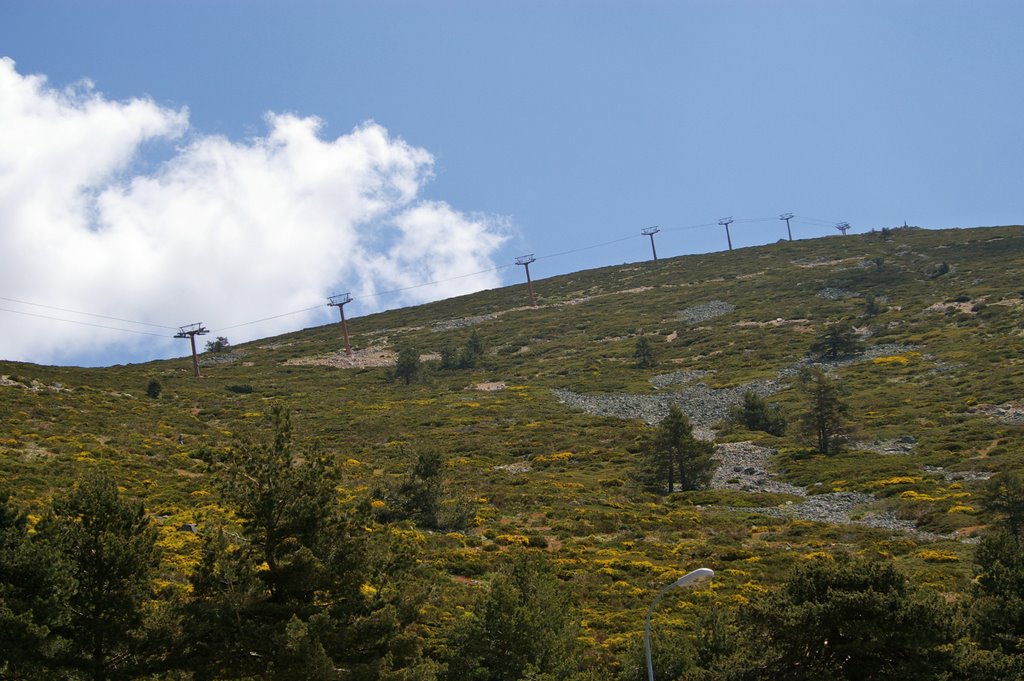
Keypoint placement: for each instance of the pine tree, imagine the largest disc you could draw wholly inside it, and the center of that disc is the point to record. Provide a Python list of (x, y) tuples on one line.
[(418, 496), (524, 627), (997, 613), (838, 340), (108, 548), (644, 354), (824, 416), (675, 458), (305, 590), (472, 352), (848, 619), (221, 344), (32, 592), (756, 414), (407, 367)]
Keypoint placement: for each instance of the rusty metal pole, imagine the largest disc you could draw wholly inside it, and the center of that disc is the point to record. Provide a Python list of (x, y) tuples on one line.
[(525, 261), (190, 332), (344, 330), (195, 358), (651, 231), (725, 222), (787, 217), (339, 301)]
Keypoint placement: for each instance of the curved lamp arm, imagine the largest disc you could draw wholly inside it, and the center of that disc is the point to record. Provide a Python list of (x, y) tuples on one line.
[(689, 579)]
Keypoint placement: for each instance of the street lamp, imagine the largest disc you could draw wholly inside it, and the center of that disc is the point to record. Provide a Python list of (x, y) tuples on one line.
[(689, 579)]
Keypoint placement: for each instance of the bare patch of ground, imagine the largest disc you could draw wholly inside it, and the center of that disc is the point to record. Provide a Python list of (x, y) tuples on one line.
[(966, 308), (397, 329), (706, 311), (824, 262), (776, 322), (832, 293), (1008, 412), (745, 466), (514, 468), (450, 324), (491, 386), (895, 446), (32, 451), (35, 386), (377, 356)]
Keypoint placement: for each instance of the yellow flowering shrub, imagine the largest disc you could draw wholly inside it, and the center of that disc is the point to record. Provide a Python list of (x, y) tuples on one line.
[(891, 359), (934, 556), (509, 539), (814, 555), (897, 480), (559, 456)]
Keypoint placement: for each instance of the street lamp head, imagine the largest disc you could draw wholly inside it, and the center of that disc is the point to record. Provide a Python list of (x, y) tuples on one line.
[(696, 577)]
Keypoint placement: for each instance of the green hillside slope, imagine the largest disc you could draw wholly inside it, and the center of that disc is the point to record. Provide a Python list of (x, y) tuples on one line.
[(542, 438)]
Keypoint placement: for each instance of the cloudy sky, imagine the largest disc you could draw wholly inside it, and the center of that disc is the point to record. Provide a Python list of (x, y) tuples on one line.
[(169, 163)]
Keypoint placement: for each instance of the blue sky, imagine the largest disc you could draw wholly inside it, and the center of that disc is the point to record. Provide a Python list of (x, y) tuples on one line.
[(549, 126)]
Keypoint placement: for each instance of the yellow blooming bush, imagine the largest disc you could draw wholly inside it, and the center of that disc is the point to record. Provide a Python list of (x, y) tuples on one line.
[(934, 556), (920, 496), (180, 551), (753, 588), (559, 456), (891, 359), (897, 480), (814, 555), (512, 539)]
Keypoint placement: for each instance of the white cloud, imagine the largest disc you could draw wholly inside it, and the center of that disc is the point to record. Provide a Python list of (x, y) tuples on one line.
[(223, 232)]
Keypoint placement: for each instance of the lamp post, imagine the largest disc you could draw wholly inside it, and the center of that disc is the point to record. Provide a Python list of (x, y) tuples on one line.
[(689, 579)]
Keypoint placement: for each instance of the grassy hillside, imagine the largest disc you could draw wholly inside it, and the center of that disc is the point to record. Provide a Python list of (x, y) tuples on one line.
[(934, 401)]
